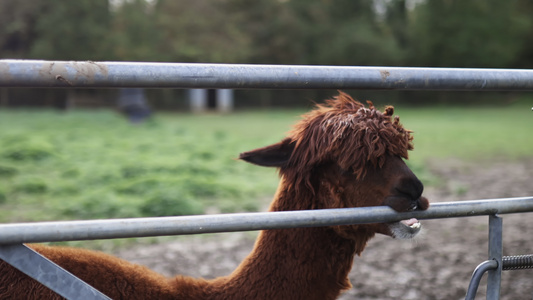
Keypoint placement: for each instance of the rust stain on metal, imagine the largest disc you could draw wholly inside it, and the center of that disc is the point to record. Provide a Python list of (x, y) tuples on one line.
[(384, 74), (61, 78), (52, 71), (89, 70), (73, 73)]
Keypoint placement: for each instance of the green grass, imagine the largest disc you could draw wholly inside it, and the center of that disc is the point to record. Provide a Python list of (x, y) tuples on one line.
[(93, 164), (473, 134), (85, 165), (482, 135)]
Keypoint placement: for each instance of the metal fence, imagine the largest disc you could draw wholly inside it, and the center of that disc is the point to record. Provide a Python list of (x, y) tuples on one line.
[(60, 74), (88, 74)]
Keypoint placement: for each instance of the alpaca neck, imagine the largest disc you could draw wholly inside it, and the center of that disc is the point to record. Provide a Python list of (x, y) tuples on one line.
[(303, 263), (293, 264)]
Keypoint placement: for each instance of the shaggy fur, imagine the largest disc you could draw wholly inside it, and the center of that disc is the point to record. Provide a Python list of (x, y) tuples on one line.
[(341, 154), (345, 132)]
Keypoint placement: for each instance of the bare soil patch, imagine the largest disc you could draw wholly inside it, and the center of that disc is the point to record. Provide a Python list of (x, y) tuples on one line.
[(436, 265)]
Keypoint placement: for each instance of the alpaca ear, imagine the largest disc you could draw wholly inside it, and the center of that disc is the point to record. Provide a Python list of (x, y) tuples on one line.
[(276, 155)]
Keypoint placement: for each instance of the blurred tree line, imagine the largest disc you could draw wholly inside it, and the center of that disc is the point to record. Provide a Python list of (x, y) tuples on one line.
[(434, 33)]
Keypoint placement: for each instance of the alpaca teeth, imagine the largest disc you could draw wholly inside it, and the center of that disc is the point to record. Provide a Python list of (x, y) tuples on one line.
[(415, 225)]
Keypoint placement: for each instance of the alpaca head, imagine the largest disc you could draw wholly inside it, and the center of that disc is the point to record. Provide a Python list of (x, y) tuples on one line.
[(343, 154)]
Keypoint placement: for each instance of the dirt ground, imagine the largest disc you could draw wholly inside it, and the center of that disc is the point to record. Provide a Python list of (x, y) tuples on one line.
[(436, 265)]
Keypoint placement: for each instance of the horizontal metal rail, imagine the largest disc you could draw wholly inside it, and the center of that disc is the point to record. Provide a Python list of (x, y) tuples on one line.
[(144, 227), (88, 74)]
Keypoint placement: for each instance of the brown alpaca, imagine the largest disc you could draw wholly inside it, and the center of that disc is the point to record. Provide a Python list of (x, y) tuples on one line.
[(339, 155)]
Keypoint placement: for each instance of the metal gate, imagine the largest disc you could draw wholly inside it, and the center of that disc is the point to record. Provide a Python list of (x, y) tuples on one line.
[(88, 74)]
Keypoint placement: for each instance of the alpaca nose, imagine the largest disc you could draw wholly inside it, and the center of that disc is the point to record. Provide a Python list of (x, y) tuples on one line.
[(406, 195), (410, 187)]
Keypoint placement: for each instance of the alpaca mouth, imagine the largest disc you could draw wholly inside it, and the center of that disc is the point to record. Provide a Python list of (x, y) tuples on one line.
[(405, 229)]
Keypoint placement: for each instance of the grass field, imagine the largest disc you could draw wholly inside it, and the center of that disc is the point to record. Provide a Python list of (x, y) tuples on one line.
[(93, 164)]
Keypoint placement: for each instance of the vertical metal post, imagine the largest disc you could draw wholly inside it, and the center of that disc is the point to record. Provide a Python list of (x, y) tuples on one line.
[(495, 253)]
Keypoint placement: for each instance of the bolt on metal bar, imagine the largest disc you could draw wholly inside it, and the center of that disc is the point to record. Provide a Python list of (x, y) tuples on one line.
[(144, 227), (88, 74), (48, 273)]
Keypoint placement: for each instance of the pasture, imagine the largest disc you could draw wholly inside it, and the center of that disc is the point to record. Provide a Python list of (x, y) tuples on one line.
[(94, 164)]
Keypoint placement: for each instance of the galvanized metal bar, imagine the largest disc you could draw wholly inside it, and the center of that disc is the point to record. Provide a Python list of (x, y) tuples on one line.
[(495, 253), (144, 227), (48, 273), (88, 74), (476, 277)]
